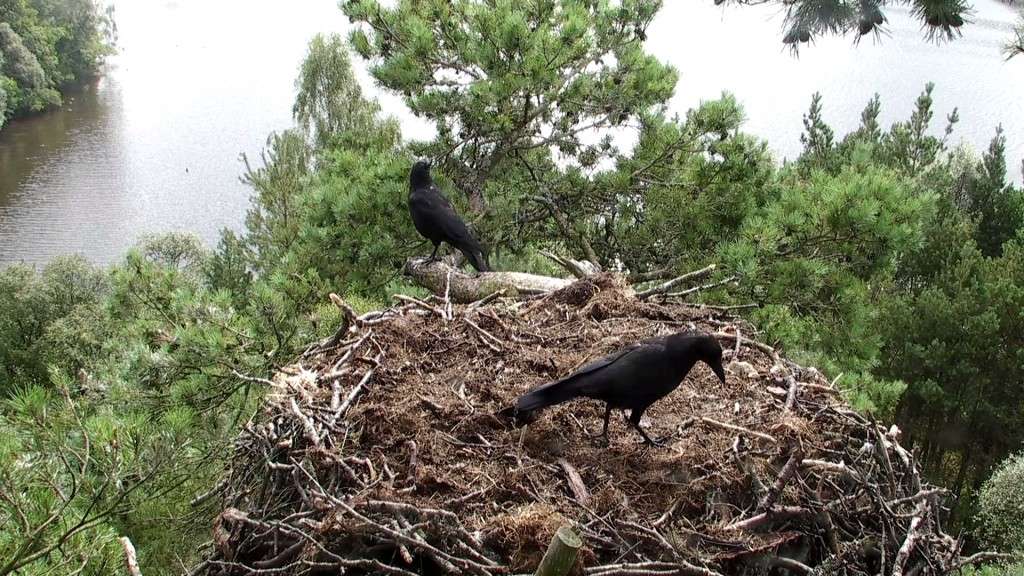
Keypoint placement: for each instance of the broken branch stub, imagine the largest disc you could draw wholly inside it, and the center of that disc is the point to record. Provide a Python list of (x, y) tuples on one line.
[(561, 554)]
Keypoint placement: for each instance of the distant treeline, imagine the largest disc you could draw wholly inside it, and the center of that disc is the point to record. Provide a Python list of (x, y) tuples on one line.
[(47, 46)]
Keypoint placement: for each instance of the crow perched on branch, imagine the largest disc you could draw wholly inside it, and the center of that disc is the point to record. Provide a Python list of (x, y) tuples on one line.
[(434, 218), (632, 378)]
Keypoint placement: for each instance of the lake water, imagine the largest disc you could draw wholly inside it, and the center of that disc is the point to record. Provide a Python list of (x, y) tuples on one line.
[(155, 145)]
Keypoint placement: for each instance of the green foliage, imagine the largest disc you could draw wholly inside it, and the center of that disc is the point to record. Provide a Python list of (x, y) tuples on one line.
[(48, 318), (24, 81), (979, 190), (907, 147), (687, 185), (954, 336), (870, 395), (121, 405), (813, 255), (504, 78), (72, 472), (994, 570), (49, 45), (330, 208), (818, 139), (1001, 506)]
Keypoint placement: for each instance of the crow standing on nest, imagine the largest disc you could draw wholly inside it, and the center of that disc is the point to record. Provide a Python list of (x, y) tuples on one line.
[(632, 378), (437, 221)]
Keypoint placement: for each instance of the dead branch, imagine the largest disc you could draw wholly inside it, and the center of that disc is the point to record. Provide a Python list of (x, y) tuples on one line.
[(899, 564), (771, 352), (739, 429), (578, 268), (790, 394), (659, 274), (883, 455), (209, 494), (489, 339), (785, 475), (579, 489), (357, 389), (417, 302), (982, 557), (791, 564), (651, 569), (688, 277), (780, 513), (348, 322), (702, 288)]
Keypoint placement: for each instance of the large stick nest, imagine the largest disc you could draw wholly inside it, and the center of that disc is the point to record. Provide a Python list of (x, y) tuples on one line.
[(385, 453)]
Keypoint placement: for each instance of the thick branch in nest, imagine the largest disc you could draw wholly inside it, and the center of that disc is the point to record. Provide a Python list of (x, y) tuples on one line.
[(578, 268), (464, 288)]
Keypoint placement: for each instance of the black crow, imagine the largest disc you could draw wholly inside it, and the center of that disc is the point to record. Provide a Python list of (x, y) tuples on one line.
[(632, 378), (437, 221)]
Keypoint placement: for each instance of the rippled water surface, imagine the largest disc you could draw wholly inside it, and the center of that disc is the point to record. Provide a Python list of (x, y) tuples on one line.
[(155, 144)]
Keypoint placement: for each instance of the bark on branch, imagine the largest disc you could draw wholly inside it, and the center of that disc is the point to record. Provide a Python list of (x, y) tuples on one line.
[(465, 288)]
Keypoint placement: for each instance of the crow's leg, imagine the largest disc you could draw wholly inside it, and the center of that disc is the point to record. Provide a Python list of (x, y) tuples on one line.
[(634, 419), (603, 436), (607, 415), (433, 255)]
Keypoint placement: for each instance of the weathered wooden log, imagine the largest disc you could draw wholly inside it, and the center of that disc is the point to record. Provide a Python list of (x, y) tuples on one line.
[(561, 554), (441, 279)]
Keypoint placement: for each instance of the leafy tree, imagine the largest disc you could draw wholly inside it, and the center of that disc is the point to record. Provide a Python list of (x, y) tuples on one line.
[(815, 255), (1001, 506), (25, 83), (68, 292), (69, 469), (512, 80), (907, 146), (818, 139), (688, 184), (49, 45), (330, 207), (954, 336), (981, 192)]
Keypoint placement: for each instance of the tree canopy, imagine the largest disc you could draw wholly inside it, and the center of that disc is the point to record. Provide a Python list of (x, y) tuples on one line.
[(47, 46)]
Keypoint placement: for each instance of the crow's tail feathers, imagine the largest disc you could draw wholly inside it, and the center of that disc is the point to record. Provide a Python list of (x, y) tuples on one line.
[(529, 406), (476, 256), (548, 395)]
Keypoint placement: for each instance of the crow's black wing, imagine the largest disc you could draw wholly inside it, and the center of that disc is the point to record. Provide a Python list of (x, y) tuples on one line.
[(590, 379), (444, 199), (635, 349), (438, 212)]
